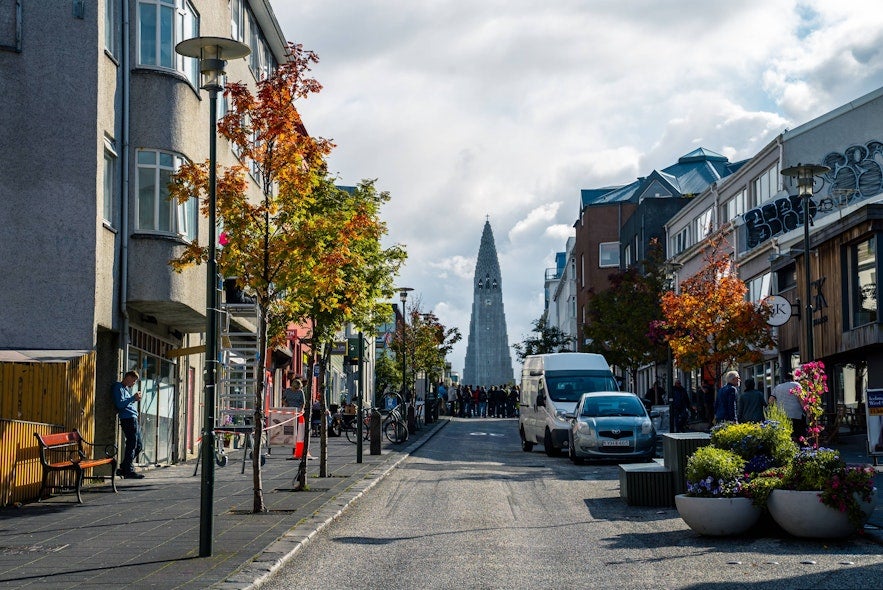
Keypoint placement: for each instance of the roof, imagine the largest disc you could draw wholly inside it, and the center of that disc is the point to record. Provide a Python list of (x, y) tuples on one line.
[(690, 175)]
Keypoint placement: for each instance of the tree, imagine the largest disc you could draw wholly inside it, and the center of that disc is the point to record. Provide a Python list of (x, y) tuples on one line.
[(548, 339), (709, 323), (341, 273), (619, 318), (432, 342), (262, 242)]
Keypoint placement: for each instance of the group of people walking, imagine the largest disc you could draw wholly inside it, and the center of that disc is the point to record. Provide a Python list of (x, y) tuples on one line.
[(476, 401), (748, 406)]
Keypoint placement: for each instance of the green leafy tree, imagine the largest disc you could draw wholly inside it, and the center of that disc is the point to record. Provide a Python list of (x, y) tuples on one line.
[(260, 227), (548, 339), (620, 318), (341, 274)]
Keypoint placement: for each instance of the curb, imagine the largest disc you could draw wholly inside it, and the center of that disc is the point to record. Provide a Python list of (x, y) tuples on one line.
[(256, 571)]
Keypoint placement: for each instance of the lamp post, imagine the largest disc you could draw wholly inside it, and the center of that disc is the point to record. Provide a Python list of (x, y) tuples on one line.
[(403, 296), (213, 53), (805, 175)]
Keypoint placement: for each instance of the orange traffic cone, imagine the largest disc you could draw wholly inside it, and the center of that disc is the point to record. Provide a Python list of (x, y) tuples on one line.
[(298, 451)]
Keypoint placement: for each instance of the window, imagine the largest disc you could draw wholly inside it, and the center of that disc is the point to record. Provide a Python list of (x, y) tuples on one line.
[(758, 287), (786, 278), (162, 24), (767, 184), (863, 282), (110, 160), (680, 242), (608, 254), (261, 60), (736, 206), (109, 26), (155, 211), (704, 224), (237, 20), (582, 270)]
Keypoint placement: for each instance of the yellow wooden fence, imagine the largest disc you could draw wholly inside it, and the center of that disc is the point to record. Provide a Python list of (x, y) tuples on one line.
[(55, 393)]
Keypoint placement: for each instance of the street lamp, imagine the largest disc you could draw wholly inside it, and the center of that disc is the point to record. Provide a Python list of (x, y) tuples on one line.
[(403, 296), (212, 53), (805, 175)]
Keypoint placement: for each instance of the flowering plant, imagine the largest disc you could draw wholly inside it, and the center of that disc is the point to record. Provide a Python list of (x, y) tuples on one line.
[(812, 383), (714, 473), (840, 486)]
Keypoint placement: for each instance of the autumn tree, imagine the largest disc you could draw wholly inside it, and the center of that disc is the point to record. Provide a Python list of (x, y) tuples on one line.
[(548, 339), (709, 323), (620, 318), (341, 274), (261, 227)]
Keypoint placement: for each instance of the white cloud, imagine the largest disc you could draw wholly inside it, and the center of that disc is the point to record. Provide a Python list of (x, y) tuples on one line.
[(507, 108)]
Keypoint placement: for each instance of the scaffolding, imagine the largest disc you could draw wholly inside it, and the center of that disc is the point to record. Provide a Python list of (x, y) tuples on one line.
[(240, 365)]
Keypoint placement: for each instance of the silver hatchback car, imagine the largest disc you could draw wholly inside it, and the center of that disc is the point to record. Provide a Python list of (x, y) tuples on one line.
[(611, 425)]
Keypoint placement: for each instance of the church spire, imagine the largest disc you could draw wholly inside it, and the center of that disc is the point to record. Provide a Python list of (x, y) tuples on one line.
[(488, 361)]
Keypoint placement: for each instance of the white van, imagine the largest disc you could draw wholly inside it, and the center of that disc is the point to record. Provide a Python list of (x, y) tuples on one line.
[(551, 385)]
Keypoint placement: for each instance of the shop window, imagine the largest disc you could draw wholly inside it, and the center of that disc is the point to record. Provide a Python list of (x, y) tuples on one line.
[(863, 282)]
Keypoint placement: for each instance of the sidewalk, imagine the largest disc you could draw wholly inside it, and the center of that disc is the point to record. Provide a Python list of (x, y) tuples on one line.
[(147, 535)]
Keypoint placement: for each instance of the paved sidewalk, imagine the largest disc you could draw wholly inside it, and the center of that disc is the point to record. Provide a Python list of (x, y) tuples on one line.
[(147, 535)]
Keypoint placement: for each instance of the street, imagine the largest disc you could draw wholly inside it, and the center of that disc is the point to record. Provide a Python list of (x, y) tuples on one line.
[(471, 510)]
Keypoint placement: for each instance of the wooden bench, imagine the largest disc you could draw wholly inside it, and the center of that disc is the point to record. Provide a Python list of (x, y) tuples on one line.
[(65, 451)]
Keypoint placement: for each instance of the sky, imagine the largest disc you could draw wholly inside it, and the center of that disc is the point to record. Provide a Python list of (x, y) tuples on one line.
[(467, 110)]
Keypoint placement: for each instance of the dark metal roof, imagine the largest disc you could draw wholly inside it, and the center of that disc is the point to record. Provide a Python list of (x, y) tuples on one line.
[(691, 175)]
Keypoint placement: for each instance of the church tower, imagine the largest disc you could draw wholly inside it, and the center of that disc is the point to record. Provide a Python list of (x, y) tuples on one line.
[(488, 361)]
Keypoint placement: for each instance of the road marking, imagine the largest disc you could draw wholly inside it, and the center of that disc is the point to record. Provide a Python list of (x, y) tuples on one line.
[(484, 434)]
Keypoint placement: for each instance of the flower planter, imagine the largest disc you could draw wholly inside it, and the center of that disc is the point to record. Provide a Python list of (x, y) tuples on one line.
[(801, 514), (717, 516)]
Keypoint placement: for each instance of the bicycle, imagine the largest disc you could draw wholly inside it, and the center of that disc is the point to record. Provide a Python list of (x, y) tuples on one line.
[(350, 427), (395, 427)]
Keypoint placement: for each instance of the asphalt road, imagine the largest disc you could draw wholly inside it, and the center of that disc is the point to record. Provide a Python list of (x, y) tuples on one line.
[(471, 510)]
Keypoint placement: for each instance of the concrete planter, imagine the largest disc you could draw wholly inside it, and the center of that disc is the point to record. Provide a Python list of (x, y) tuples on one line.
[(717, 516), (801, 514)]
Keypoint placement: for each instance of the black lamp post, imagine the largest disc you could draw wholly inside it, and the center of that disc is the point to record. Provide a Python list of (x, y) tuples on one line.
[(403, 296), (213, 53), (805, 175)]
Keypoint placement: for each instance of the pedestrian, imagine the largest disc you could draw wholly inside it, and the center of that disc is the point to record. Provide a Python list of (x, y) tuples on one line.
[(790, 403), (453, 392), (126, 404), (483, 400), (655, 393), (725, 404), (465, 401), (680, 406), (293, 396), (751, 403)]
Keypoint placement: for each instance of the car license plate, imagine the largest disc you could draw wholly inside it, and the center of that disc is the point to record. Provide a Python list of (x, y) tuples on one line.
[(616, 443)]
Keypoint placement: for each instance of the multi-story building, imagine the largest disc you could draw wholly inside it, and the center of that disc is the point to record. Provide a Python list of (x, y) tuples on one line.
[(560, 293), (97, 112), (761, 216)]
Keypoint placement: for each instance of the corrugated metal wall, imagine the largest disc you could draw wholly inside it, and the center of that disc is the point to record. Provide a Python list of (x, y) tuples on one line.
[(42, 397)]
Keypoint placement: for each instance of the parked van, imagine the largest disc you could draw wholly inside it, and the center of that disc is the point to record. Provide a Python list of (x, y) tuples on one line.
[(551, 385)]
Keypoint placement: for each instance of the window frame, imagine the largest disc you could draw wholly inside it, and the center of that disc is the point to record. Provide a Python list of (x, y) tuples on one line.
[(108, 205), (856, 288), (186, 214), (610, 247), (184, 17)]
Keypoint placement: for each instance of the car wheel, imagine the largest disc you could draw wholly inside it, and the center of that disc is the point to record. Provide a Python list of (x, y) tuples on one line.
[(548, 446), (525, 446), (571, 452)]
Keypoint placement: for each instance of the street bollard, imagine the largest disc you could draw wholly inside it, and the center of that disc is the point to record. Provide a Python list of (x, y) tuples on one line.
[(374, 431), (412, 419)]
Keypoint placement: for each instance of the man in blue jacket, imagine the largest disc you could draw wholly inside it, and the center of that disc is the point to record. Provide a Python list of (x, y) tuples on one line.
[(126, 404), (725, 404)]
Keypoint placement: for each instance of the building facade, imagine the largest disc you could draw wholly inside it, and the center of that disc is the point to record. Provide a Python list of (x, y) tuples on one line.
[(90, 141)]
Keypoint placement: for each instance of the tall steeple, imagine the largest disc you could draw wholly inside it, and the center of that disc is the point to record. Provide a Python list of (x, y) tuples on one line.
[(488, 361)]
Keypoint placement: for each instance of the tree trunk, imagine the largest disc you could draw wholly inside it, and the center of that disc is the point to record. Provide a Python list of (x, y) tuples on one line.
[(259, 415), (323, 424)]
